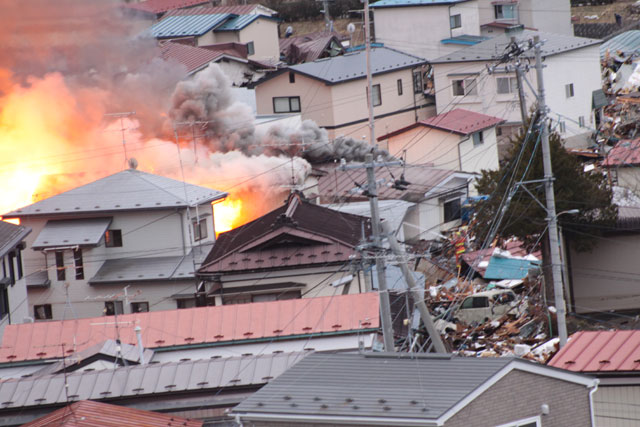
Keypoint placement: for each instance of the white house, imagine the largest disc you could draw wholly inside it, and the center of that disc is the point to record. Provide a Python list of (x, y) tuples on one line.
[(426, 28), (462, 81), (457, 140), (13, 288), (129, 242), (553, 16)]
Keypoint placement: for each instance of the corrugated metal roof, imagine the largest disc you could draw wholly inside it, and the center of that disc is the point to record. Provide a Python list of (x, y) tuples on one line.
[(627, 43), (509, 268), (188, 25), (88, 413), (202, 325), (10, 236), (385, 386), (240, 9), (353, 65), (72, 232), (124, 191), (462, 121), (238, 23), (404, 3), (494, 48), (600, 352), (193, 58), (153, 379)]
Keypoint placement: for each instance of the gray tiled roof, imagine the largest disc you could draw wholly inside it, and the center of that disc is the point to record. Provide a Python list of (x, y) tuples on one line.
[(353, 65), (72, 232), (124, 191), (150, 379), (494, 48), (422, 387), (10, 236)]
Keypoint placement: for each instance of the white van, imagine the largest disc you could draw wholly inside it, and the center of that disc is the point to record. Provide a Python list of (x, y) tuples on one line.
[(486, 306)]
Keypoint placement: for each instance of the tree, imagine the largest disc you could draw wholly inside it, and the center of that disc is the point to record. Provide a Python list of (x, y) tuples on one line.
[(525, 218)]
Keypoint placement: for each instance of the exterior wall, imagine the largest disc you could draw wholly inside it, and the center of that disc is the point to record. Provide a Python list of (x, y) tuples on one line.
[(16, 293), (617, 406), (223, 37), (423, 27), (447, 150), (594, 286), (209, 38), (346, 104), (264, 35), (629, 177), (560, 70), (236, 71), (519, 395), (553, 16)]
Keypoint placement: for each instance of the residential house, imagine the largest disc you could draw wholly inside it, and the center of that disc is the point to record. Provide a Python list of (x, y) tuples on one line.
[(333, 92), (198, 390), (462, 80), (612, 357), (294, 251), (426, 28), (87, 412), (230, 57), (333, 323), (437, 195), (125, 243), (623, 164), (203, 26), (549, 16), (312, 46), (458, 140), (13, 288), (395, 389)]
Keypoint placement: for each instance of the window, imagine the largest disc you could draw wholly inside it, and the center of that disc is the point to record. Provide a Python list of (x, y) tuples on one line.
[(113, 307), (77, 261), (464, 87), (455, 21), (527, 422), (478, 138), (507, 85), (569, 90), (12, 272), (292, 77), (286, 104), (139, 307), (452, 210), (4, 302), (280, 296), (237, 299), (42, 312), (562, 126), (377, 96), (191, 302), (200, 229), (417, 82), (475, 302), (399, 87), (60, 265), (581, 121), (250, 49), (113, 238), (499, 131), (505, 11)]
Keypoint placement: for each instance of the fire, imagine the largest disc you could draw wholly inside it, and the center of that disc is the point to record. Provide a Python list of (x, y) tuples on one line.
[(228, 214)]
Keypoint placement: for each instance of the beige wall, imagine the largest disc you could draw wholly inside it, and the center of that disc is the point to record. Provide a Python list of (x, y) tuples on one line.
[(617, 406), (264, 35), (629, 177)]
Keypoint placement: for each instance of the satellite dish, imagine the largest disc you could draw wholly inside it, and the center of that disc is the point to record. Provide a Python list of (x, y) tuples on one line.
[(351, 28)]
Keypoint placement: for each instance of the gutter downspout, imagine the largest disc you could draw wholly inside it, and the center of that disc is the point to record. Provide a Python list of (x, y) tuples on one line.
[(591, 408)]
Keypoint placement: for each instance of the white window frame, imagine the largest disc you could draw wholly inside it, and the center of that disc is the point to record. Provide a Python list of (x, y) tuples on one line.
[(512, 6), (292, 108), (455, 21), (377, 91), (519, 423), (469, 86), (512, 83), (478, 138)]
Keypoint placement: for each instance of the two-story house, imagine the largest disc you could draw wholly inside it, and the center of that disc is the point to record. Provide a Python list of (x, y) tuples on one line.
[(13, 289), (129, 242), (497, 16), (462, 80), (203, 26), (333, 92)]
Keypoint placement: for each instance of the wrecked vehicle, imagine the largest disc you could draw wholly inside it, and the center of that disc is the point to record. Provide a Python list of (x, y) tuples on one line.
[(486, 306)]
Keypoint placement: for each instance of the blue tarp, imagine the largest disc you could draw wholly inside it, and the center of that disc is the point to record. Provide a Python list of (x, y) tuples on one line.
[(509, 268)]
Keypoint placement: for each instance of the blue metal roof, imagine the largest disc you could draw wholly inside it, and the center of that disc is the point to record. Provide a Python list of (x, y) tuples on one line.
[(509, 268), (405, 3), (464, 40), (627, 43), (238, 23), (188, 25)]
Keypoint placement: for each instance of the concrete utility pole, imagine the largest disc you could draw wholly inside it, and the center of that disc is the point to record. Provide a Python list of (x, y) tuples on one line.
[(383, 292), (367, 42), (520, 79), (422, 307), (552, 217)]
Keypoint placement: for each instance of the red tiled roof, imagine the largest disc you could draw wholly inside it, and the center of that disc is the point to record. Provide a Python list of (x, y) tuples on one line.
[(160, 6), (246, 9), (600, 351), (460, 121), (221, 324), (88, 413), (625, 152), (190, 56)]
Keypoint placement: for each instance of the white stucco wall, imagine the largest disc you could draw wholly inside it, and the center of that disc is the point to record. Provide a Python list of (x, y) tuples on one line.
[(419, 30), (264, 35), (553, 16)]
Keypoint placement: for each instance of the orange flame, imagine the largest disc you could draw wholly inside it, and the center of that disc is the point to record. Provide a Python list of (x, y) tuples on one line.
[(228, 214)]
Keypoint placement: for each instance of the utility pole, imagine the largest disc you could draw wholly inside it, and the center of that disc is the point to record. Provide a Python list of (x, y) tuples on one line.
[(408, 277), (383, 292), (552, 217), (367, 42)]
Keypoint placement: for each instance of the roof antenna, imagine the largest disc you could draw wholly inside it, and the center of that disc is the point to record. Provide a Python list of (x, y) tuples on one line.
[(122, 129)]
